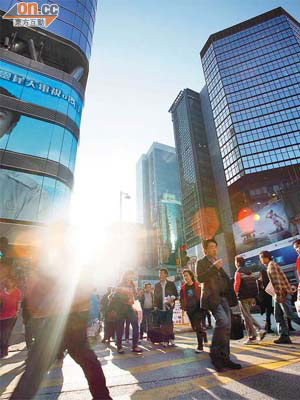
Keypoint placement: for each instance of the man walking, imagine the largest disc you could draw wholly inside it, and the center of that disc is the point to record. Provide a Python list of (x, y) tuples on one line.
[(146, 301), (165, 294), (214, 297), (282, 298), (245, 287)]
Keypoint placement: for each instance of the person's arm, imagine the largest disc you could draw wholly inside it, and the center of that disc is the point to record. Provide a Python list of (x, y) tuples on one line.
[(237, 282), (155, 295), (204, 275), (175, 292)]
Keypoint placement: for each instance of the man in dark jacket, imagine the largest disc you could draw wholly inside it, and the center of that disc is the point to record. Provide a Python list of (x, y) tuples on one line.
[(246, 289), (165, 289), (215, 296), (147, 301)]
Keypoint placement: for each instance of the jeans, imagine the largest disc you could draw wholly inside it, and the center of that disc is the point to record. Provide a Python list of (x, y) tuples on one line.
[(132, 319), (146, 321), (6, 327), (282, 312), (250, 322), (57, 333), (220, 348)]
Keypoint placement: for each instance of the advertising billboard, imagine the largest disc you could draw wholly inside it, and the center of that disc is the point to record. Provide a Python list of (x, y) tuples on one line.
[(268, 225), (28, 196), (39, 89)]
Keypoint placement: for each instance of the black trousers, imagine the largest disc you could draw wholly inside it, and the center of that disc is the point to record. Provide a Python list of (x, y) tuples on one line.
[(57, 334), (6, 327)]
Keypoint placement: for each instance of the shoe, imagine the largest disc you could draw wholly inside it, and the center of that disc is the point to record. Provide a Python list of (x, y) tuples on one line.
[(250, 341), (120, 350), (282, 340), (261, 334), (165, 344), (199, 349), (217, 364), (231, 365), (137, 350), (172, 344), (103, 341)]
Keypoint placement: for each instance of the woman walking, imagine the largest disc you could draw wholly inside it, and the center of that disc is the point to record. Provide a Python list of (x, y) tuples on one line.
[(122, 301), (190, 302), (10, 299)]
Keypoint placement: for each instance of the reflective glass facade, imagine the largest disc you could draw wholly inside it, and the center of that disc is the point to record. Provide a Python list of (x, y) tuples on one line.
[(157, 176), (171, 229), (253, 80), (41, 102), (75, 21), (196, 179)]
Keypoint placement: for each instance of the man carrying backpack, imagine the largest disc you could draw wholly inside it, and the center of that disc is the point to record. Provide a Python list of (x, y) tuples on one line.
[(245, 287)]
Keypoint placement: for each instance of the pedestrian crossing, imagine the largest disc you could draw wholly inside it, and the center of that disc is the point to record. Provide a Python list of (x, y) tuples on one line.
[(157, 373)]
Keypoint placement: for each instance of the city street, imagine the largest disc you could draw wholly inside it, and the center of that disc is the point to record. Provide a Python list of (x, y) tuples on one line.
[(269, 372)]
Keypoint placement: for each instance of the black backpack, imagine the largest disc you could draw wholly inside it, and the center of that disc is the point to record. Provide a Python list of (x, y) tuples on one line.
[(248, 288)]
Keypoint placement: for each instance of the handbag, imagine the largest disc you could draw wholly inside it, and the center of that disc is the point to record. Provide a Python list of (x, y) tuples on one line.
[(237, 327)]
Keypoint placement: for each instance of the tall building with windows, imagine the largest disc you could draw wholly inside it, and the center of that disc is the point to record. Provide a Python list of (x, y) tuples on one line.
[(252, 76), (43, 75), (196, 179), (158, 188), (249, 114)]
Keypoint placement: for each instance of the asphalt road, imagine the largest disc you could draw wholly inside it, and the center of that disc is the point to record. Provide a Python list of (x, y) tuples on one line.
[(269, 372)]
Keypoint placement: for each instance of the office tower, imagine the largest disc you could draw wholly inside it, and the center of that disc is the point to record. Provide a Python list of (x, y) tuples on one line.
[(252, 76), (250, 109), (199, 202), (43, 75), (157, 192)]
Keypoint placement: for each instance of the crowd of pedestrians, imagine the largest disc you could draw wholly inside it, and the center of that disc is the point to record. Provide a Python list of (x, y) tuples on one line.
[(58, 306)]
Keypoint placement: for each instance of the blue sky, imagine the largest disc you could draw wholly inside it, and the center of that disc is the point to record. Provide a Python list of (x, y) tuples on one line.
[(144, 52)]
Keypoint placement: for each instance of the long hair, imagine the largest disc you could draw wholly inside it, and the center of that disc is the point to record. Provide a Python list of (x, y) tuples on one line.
[(190, 273)]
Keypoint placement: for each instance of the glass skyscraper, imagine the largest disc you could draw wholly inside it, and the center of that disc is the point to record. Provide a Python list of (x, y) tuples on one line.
[(252, 72), (196, 179), (157, 177), (43, 75)]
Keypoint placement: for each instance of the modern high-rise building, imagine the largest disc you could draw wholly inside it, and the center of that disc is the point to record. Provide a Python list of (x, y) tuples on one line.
[(157, 192), (43, 75), (251, 117), (196, 179), (252, 76)]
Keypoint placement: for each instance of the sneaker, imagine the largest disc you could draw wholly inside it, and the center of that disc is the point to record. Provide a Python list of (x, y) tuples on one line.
[(199, 349), (137, 350), (282, 340), (231, 365), (172, 344), (261, 334), (165, 344), (250, 341), (120, 350)]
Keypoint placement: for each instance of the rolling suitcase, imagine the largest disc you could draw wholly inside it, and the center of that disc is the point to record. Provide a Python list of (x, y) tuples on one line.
[(154, 331)]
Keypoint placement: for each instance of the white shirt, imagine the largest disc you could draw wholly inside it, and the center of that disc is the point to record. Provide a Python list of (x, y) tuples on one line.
[(163, 285)]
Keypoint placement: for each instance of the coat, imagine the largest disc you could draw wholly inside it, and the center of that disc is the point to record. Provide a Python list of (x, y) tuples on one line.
[(207, 274), (170, 290)]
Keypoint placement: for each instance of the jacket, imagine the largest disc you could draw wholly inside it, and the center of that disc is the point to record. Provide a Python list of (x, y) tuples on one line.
[(142, 300), (170, 290), (245, 284), (208, 275), (279, 281), (183, 300)]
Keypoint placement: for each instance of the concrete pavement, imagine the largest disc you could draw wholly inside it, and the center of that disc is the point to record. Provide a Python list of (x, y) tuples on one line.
[(269, 372)]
